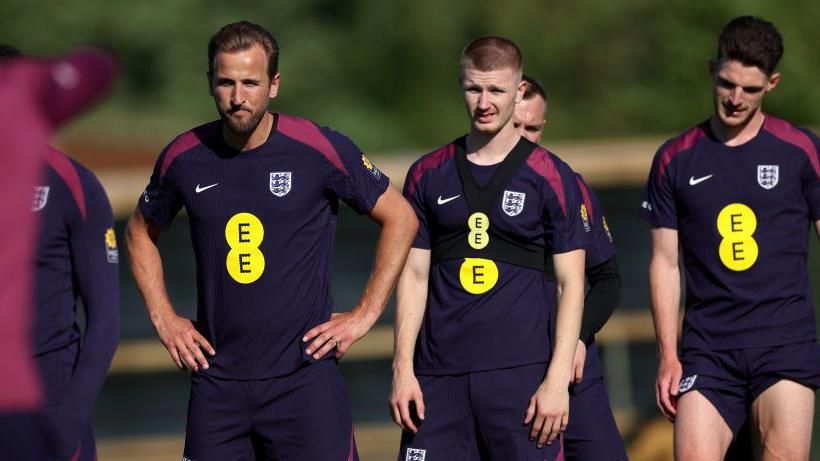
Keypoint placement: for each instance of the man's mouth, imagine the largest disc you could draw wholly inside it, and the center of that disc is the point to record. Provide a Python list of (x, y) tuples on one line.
[(485, 117), (732, 110)]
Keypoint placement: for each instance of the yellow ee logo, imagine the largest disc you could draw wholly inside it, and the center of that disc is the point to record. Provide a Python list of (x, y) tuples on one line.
[(479, 223), (245, 262), (736, 223), (477, 275)]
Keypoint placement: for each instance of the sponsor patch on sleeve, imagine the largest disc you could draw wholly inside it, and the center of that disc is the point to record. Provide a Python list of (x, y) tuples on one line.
[(371, 168), (606, 228), (585, 218), (112, 254)]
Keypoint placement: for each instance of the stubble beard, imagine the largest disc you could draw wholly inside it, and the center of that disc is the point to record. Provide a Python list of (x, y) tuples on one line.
[(242, 128)]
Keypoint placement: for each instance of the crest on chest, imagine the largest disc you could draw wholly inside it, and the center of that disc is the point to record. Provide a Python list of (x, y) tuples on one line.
[(280, 183), (768, 175), (513, 202), (40, 198)]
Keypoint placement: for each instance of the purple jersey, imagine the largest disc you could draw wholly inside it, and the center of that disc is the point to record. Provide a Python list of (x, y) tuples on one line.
[(77, 257), (483, 314), (262, 223), (742, 215), (601, 247)]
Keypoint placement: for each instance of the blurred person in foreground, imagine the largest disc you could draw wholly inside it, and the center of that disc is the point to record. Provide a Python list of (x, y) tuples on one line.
[(477, 373), (737, 194), (591, 434), (38, 96), (77, 258), (262, 193)]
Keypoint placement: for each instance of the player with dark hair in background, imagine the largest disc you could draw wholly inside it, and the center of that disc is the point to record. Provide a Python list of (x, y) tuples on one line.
[(737, 195)]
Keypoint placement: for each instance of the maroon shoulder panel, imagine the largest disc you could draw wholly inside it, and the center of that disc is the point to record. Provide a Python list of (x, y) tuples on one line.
[(785, 131), (308, 133), (429, 162), (540, 160), (678, 145), (68, 172)]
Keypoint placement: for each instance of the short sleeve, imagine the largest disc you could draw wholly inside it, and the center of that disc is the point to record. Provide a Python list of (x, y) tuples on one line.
[(161, 200), (413, 193), (566, 224), (658, 207), (811, 178), (354, 178)]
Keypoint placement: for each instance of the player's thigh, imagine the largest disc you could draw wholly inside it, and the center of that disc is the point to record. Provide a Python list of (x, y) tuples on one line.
[(701, 433), (305, 415), (500, 399), (218, 426), (784, 414), (592, 434), (448, 430)]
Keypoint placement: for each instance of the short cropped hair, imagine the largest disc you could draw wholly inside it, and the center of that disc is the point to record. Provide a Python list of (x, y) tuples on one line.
[(533, 88), (8, 52), (241, 36), (752, 41), (491, 53)]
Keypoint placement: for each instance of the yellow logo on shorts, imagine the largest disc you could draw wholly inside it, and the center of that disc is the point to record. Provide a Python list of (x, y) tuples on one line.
[(245, 262), (478, 275)]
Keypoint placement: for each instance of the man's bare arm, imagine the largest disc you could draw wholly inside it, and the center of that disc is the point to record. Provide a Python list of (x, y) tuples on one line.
[(411, 302), (664, 287), (184, 343), (549, 406), (399, 226)]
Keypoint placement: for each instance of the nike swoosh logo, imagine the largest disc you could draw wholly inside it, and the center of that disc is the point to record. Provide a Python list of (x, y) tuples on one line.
[(442, 201), (200, 189), (693, 181)]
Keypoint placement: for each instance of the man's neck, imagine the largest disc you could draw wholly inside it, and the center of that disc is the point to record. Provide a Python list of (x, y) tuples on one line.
[(486, 149), (737, 135), (251, 140)]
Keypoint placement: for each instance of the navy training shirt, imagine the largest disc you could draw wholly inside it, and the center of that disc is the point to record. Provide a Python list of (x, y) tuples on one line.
[(743, 216), (77, 258), (262, 223), (504, 318)]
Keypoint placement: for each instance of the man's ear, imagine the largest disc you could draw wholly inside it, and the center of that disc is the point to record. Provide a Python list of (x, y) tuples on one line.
[(274, 86), (773, 81)]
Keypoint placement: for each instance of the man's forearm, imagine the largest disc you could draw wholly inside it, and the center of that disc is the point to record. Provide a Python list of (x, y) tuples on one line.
[(569, 272), (146, 265), (664, 285), (567, 330), (391, 252), (411, 300)]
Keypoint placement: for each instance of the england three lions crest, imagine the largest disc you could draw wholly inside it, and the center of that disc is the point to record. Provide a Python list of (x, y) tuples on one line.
[(768, 175), (513, 202), (40, 198), (280, 182)]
